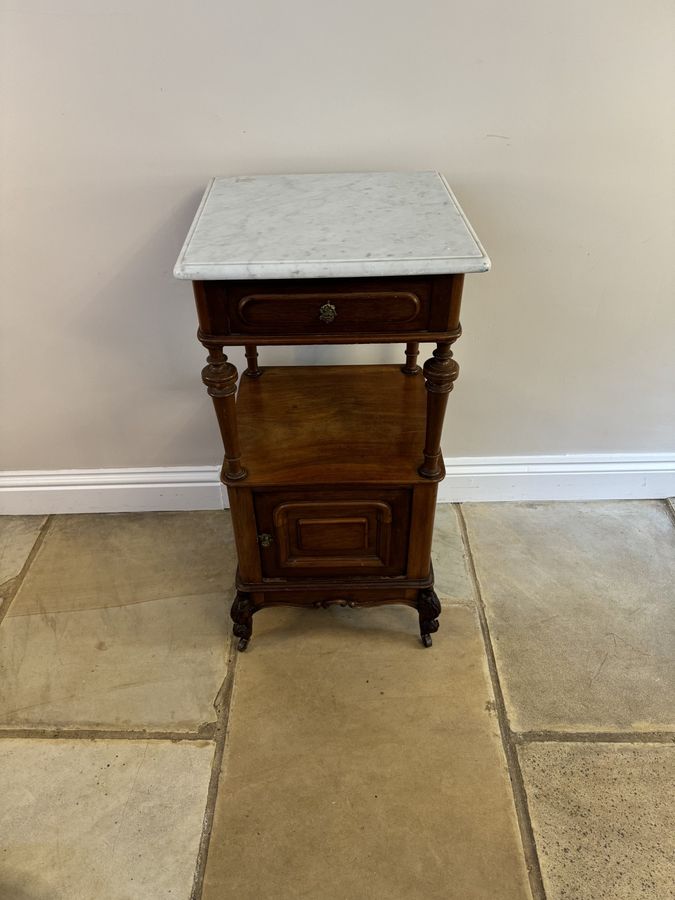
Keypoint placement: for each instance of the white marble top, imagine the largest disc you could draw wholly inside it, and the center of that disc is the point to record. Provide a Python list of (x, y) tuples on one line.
[(329, 226)]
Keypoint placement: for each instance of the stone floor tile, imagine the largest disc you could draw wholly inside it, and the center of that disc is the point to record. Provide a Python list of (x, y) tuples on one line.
[(17, 536), (580, 599), (359, 764), (121, 622), (111, 820), (450, 573), (603, 819), (109, 560)]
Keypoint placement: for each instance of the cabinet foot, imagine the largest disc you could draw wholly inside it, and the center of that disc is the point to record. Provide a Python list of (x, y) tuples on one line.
[(242, 616), (429, 609)]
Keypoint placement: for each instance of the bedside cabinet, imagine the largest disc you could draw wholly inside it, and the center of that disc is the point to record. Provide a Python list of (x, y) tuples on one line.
[(331, 471)]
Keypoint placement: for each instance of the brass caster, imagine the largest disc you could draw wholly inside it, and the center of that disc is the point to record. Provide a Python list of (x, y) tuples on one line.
[(242, 645), (426, 640)]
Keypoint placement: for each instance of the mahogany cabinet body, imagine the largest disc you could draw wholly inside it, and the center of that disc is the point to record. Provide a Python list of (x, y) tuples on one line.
[(332, 471)]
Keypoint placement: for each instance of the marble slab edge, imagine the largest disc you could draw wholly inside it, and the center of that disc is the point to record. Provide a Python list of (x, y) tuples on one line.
[(327, 268)]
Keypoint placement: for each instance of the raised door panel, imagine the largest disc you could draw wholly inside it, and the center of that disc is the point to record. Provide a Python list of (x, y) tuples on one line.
[(348, 533)]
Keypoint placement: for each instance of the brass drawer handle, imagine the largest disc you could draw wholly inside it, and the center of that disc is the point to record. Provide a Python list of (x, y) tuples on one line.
[(327, 313)]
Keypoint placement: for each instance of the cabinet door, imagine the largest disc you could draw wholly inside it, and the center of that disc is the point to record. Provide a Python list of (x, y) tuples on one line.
[(348, 533)]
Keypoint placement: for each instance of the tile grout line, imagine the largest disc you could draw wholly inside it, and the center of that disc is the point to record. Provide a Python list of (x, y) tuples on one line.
[(509, 745), (593, 737), (18, 579), (204, 733), (223, 704)]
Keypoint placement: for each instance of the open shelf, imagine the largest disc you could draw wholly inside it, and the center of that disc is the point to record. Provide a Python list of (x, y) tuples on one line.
[(331, 425)]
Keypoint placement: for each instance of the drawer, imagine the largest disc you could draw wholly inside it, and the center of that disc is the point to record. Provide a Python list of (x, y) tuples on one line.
[(328, 309), (325, 533), (324, 312)]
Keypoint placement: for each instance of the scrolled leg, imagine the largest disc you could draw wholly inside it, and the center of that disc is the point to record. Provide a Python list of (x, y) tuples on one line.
[(429, 609), (242, 616)]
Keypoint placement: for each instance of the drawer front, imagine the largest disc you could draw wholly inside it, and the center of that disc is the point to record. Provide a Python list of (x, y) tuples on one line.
[(327, 312), (324, 308), (346, 533)]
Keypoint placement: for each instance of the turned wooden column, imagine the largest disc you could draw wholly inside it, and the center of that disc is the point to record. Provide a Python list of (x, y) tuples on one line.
[(412, 350), (252, 369), (220, 378), (440, 373)]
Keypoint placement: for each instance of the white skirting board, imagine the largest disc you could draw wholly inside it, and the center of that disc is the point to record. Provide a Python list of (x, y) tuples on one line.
[(111, 490), (612, 476), (591, 476)]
